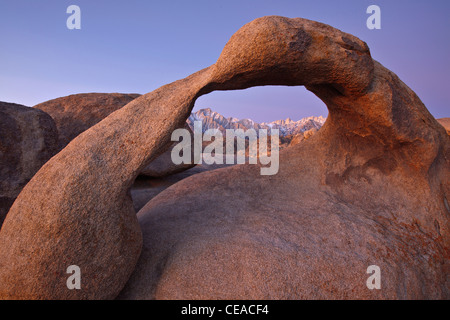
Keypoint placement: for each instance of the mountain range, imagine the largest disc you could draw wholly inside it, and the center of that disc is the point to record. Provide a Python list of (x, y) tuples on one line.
[(288, 127)]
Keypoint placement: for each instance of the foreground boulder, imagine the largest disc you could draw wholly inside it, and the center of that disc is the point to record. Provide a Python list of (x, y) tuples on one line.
[(28, 138), (146, 188), (370, 188)]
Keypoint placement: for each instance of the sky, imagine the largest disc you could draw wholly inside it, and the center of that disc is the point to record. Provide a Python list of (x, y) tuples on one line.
[(136, 46)]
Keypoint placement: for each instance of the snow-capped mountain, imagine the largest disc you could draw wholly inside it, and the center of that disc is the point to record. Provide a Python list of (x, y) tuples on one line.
[(214, 120)]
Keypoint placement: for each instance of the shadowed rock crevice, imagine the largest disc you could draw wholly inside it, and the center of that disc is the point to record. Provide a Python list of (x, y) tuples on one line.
[(357, 193)]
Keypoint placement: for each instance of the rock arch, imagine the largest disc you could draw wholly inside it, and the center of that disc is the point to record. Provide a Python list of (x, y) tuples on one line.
[(381, 178)]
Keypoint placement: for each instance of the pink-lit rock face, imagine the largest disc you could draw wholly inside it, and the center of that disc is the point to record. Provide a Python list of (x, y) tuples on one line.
[(445, 122), (370, 188)]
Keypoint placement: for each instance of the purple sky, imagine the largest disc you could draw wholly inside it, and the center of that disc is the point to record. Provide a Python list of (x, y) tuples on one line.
[(138, 46)]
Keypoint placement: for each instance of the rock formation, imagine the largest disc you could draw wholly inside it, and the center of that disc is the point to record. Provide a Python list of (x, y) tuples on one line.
[(76, 113), (309, 133), (163, 165), (370, 188), (445, 122), (296, 139), (28, 138), (146, 188)]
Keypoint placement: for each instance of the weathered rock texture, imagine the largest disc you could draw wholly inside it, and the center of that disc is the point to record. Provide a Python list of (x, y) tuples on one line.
[(163, 165), (371, 187), (28, 138), (296, 139), (76, 113), (146, 188), (445, 122)]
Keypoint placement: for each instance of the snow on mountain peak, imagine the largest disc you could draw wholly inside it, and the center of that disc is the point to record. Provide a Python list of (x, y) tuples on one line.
[(214, 120)]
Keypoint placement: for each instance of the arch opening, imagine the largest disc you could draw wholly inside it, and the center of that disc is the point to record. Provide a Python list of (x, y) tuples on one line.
[(264, 104)]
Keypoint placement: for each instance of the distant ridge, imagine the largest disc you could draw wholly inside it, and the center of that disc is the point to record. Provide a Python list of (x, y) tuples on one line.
[(214, 120)]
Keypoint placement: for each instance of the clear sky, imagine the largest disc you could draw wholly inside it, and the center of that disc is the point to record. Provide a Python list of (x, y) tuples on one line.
[(138, 46)]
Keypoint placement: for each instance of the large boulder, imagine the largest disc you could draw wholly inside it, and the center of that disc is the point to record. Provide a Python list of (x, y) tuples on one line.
[(370, 188), (28, 138), (146, 188), (76, 113)]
